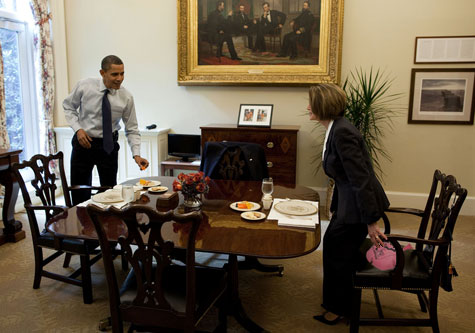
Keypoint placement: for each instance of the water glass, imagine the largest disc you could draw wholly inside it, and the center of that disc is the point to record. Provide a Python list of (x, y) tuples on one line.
[(267, 187), (266, 202), (128, 194)]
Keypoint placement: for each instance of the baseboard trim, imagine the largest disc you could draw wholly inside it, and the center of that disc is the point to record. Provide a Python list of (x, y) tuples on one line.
[(409, 199)]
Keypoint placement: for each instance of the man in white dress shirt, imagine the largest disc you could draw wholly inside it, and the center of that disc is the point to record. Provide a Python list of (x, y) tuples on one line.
[(93, 105)]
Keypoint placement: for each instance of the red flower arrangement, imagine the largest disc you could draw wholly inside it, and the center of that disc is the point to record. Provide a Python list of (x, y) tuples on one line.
[(191, 184)]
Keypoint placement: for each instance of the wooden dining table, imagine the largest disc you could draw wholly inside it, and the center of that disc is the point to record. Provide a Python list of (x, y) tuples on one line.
[(222, 230)]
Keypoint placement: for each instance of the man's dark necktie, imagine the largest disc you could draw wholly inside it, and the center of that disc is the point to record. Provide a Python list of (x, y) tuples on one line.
[(107, 142)]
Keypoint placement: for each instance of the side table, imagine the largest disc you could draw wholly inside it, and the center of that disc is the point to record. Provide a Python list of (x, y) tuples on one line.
[(12, 231), (176, 163)]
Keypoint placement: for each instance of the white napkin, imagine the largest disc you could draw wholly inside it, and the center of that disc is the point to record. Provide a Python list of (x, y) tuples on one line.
[(307, 221), (118, 205)]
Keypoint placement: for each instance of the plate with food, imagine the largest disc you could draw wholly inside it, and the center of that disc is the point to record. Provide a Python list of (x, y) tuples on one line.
[(158, 189), (108, 197), (253, 216), (148, 183), (245, 206)]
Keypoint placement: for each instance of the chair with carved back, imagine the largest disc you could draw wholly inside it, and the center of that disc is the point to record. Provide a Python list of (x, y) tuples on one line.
[(420, 270), (205, 37), (304, 42), (159, 292), (231, 160), (45, 183), (274, 37)]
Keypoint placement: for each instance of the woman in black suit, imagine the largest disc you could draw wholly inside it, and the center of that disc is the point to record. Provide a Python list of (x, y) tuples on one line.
[(358, 199)]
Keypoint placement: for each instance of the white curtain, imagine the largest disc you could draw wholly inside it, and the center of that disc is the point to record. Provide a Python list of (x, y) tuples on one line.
[(45, 55), (4, 140)]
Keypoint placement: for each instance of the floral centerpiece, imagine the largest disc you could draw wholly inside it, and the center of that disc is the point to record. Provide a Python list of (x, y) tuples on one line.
[(192, 186)]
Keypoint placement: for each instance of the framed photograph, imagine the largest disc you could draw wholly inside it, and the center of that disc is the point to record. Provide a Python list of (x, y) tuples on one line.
[(445, 50), (241, 42), (259, 115), (442, 96)]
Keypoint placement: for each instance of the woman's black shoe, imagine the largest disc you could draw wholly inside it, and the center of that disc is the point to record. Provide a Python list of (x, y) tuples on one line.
[(321, 318)]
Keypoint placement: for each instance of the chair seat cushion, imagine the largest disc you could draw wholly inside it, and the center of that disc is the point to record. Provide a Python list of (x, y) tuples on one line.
[(416, 274), (76, 246), (210, 283)]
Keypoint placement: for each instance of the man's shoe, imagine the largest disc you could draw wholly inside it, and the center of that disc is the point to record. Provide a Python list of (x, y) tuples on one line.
[(236, 58)]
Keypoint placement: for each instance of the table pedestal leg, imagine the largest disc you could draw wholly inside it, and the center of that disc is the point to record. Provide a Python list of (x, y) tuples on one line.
[(237, 309)]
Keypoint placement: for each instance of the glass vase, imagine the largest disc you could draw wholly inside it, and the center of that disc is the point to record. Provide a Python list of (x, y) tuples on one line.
[(192, 202)]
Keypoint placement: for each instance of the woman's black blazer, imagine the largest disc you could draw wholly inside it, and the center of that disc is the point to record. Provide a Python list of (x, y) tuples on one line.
[(358, 196)]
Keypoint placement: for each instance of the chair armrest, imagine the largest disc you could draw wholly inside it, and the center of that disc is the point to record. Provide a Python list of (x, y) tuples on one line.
[(88, 187), (387, 225), (56, 208), (412, 211), (435, 242), (398, 269)]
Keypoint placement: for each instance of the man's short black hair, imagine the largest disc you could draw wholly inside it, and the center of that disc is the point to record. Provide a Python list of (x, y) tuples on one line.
[(308, 2), (110, 60), (265, 3)]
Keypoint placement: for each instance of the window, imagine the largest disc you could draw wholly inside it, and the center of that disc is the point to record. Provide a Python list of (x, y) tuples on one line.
[(16, 38)]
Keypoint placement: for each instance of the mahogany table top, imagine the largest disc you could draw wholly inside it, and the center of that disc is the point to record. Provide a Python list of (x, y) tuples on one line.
[(223, 231)]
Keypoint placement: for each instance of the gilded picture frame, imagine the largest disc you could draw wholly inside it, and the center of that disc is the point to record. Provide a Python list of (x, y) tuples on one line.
[(194, 70)]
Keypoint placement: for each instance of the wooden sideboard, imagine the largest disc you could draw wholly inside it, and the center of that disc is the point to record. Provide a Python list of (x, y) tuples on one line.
[(279, 142)]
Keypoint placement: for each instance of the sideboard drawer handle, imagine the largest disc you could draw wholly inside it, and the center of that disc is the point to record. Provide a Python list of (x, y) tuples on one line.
[(270, 144), (270, 164)]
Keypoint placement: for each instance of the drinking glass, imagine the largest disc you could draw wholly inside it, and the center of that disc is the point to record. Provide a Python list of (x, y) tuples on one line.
[(267, 187), (128, 194)]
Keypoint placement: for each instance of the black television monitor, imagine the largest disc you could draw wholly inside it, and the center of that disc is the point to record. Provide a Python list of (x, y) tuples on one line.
[(184, 145)]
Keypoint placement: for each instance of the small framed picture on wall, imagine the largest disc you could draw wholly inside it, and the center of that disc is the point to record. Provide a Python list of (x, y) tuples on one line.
[(258, 115), (442, 96), (445, 49)]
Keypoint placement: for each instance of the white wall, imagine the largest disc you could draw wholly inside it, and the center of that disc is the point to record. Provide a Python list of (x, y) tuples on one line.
[(376, 33)]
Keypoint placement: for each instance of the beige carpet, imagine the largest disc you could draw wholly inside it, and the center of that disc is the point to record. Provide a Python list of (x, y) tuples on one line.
[(284, 304)]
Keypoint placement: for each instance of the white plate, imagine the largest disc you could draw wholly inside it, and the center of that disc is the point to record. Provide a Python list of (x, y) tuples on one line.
[(151, 183), (108, 197), (255, 206), (253, 216), (158, 189), (292, 207)]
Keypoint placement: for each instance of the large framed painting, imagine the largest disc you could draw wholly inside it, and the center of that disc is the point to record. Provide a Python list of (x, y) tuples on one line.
[(255, 42), (442, 96)]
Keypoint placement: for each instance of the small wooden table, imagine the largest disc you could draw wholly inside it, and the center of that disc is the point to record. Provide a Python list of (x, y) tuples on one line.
[(177, 163), (12, 231)]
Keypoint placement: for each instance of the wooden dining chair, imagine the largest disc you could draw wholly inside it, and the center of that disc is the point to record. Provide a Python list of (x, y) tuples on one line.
[(39, 172), (159, 292), (422, 269), (230, 160)]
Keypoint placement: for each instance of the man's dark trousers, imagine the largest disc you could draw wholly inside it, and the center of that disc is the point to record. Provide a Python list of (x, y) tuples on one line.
[(83, 161)]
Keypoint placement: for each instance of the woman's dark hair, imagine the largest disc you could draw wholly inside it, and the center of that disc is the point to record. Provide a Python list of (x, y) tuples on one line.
[(327, 101)]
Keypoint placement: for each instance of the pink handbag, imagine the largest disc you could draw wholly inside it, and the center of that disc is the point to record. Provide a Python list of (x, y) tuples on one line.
[(383, 258)]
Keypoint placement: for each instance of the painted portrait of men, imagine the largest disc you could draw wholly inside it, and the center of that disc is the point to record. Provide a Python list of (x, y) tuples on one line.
[(256, 32)]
